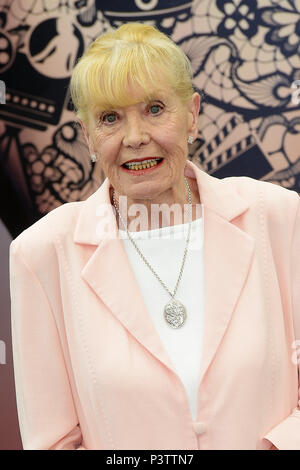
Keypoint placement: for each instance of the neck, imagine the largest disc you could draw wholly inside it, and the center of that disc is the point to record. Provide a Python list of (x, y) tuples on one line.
[(149, 214)]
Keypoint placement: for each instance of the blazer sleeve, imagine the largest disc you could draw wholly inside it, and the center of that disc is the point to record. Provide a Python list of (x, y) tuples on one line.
[(46, 411), (286, 435)]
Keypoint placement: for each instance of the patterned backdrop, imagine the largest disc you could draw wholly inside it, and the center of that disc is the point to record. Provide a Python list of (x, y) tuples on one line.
[(245, 58)]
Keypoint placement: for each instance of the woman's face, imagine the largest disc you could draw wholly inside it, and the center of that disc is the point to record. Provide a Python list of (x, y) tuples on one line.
[(158, 129)]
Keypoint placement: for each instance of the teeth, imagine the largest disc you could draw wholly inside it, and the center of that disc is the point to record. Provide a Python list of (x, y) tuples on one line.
[(141, 165)]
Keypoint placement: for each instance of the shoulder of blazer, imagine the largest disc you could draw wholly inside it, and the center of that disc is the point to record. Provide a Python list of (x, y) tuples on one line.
[(275, 197), (36, 242), (275, 206)]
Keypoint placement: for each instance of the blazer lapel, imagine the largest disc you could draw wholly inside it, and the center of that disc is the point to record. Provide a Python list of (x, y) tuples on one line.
[(109, 273), (228, 253)]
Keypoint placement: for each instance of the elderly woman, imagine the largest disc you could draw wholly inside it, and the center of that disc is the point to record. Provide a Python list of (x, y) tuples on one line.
[(139, 328)]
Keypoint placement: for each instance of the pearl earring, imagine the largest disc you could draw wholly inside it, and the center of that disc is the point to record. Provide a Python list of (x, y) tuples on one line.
[(190, 139), (94, 157)]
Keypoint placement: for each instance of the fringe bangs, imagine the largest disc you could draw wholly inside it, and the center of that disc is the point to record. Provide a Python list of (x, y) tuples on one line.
[(120, 71)]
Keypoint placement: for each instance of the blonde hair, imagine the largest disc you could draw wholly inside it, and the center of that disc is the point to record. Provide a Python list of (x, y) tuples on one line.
[(132, 54)]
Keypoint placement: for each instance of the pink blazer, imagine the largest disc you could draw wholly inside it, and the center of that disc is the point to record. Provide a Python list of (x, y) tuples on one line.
[(90, 369)]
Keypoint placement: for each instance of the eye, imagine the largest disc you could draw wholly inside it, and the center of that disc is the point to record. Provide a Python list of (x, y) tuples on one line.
[(109, 117), (155, 108)]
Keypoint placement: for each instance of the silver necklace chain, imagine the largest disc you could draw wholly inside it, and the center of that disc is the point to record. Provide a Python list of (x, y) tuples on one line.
[(175, 312)]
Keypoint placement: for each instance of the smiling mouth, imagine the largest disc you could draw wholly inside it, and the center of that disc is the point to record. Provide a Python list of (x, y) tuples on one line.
[(148, 163)]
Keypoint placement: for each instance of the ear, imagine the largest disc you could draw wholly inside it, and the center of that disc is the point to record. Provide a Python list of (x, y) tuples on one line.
[(194, 108), (86, 135)]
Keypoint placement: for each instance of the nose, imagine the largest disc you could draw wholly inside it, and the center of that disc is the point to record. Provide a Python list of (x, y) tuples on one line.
[(135, 133)]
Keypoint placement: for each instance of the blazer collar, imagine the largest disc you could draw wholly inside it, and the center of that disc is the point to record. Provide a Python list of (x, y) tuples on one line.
[(219, 196), (228, 252)]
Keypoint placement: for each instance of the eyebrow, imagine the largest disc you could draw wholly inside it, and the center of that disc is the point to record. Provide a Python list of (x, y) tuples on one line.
[(157, 94), (144, 100)]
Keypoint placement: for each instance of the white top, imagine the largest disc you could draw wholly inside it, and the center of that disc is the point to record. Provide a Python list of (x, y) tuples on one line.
[(163, 248)]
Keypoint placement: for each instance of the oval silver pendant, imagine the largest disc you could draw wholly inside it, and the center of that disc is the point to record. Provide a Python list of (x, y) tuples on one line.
[(175, 313)]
